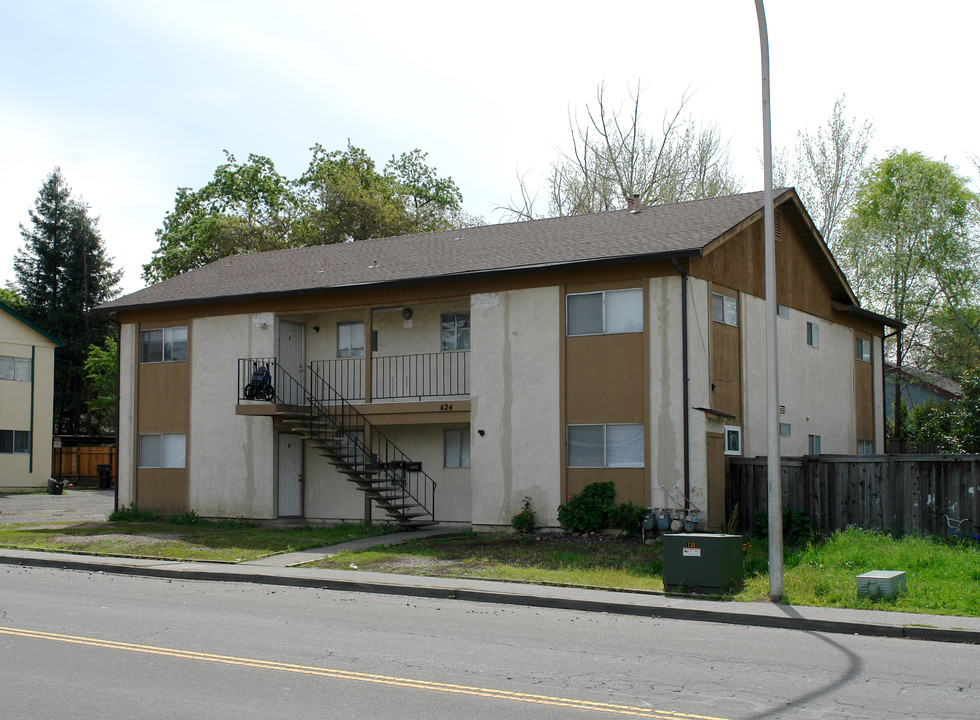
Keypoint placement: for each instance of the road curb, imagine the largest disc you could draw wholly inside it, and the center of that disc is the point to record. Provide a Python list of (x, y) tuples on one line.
[(910, 632)]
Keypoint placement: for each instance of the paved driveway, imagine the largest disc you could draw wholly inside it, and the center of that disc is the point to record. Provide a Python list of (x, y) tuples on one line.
[(75, 505)]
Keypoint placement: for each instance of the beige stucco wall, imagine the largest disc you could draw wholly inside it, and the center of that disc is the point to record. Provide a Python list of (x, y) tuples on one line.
[(666, 432), (816, 385), (125, 462), (231, 458), (27, 471), (515, 402)]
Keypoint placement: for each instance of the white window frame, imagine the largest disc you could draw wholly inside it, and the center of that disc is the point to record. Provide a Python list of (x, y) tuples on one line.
[(812, 334), (860, 345), (813, 444), (173, 460), (733, 432), (606, 463), (346, 346), (725, 309), (454, 440), (782, 310), (634, 325), (787, 427), (13, 368), (167, 340), (453, 344), (865, 447)]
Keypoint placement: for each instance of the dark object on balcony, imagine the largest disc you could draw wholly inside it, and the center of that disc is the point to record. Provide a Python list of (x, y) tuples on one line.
[(260, 387)]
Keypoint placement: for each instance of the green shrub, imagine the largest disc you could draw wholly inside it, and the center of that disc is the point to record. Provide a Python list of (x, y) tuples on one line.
[(130, 513), (627, 517), (797, 527), (524, 521), (589, 510)]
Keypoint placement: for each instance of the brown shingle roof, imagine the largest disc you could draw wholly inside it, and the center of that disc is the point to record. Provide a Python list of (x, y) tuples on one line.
[(668, 230)]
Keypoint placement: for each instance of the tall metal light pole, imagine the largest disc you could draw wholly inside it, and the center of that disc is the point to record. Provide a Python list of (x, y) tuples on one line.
[(774, 471)]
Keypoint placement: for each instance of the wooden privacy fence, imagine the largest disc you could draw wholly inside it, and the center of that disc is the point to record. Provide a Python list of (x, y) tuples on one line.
[(900, 494), (80, 464)]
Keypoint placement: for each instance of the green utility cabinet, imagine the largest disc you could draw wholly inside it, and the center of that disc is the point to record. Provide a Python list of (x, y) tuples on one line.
[(702, 563)]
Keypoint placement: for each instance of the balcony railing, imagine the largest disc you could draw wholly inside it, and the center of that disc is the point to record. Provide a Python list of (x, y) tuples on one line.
[(442, 374), (395, 377)]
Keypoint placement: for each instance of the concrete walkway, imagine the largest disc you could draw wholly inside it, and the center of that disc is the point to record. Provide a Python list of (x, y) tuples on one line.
[(304, 556)]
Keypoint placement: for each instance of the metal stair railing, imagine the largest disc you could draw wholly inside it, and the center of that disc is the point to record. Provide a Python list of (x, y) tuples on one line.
[(397, 483), (406, 485)]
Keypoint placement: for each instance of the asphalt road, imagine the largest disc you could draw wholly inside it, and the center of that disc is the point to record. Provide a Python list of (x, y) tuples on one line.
[(81, 644)]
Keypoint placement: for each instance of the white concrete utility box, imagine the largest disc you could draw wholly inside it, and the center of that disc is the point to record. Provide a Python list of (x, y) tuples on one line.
[(881, 584)]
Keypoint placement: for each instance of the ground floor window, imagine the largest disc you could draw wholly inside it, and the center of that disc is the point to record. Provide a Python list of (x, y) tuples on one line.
[(733, 440), (162, 450), (15, 441), (610, 446), (865, 447), (456, 448)]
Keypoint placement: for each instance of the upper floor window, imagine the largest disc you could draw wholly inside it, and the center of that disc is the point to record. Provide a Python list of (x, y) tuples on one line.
[(813, 444), (865, 447), (15, 441), (350, 339), (15, 368), (724, 309), (608, 312), (455, 331), (812, 334), (782, 311), (863, 349), (163, 345)]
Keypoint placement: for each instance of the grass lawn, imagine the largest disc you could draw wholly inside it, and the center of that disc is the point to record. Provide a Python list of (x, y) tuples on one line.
[(942, 578), (181, 538)]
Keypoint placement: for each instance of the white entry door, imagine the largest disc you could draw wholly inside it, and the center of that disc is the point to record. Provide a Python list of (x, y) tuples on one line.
[(290, 475), (291, 360)]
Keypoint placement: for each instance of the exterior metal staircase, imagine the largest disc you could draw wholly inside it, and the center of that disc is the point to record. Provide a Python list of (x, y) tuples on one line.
[(358, 449)]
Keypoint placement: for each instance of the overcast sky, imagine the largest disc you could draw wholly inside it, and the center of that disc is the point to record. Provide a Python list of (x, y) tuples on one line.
[(134, 98)]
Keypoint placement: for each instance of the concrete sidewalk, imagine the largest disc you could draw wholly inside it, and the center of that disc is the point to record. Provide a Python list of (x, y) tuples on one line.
[(271, 571)]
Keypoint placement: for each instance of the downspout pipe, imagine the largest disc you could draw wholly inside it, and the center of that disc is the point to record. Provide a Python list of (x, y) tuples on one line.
[(684, 387)]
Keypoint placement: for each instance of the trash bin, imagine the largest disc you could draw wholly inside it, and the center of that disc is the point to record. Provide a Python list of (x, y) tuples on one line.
[(56, 487), (105, 476)]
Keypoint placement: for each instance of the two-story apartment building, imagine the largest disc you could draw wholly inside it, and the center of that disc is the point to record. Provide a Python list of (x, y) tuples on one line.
[(26, 402), (448, 375)]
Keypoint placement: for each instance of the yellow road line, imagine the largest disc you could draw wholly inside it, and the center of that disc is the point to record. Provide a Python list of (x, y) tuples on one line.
[(360, 677)]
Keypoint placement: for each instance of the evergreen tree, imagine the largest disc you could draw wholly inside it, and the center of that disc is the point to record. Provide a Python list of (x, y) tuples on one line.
[(63, 272)]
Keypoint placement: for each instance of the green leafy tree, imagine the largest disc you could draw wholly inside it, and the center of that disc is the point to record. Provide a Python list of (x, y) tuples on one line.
[(101, 371), (909, 246), (62, 273), (250, 207), (432, 203), (10, 298), (246, 207), (954, 341)]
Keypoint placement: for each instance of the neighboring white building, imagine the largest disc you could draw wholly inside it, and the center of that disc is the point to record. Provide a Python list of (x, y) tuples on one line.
[(451, 374), (26, 402)]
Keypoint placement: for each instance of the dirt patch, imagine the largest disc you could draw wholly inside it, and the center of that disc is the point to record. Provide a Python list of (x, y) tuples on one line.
[(410, 562)]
